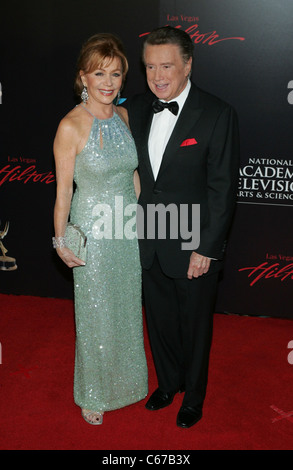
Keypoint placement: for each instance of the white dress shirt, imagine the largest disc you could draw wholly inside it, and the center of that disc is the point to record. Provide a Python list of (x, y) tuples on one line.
[(162, 126)]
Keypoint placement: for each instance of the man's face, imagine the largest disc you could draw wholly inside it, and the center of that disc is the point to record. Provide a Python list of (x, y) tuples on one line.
[(166, 72)]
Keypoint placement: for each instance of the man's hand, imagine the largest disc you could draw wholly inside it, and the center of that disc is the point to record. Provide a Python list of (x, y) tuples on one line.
[(198, 265)]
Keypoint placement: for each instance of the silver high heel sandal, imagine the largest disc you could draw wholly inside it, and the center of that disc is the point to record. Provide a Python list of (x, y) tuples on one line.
[(92, 417)]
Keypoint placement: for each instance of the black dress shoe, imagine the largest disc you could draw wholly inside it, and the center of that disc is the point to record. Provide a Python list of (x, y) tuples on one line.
[(188, 416), (159, 400)]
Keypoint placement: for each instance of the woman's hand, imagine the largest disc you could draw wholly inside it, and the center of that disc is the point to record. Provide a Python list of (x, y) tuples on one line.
[(69, 257)]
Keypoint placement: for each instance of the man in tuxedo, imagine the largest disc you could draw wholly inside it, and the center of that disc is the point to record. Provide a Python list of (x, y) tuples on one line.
[(188, 149)]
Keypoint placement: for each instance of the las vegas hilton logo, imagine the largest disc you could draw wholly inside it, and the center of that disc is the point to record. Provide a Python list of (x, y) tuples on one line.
[(6, 262)]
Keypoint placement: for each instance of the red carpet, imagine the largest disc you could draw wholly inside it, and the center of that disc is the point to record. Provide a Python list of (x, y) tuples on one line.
[(248, 406)]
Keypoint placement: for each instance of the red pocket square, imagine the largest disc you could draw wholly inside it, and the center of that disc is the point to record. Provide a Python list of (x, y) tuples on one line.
[(188, 142)]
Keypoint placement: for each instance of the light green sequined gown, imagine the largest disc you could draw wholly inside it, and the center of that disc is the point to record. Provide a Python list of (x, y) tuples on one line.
[(110, 363)]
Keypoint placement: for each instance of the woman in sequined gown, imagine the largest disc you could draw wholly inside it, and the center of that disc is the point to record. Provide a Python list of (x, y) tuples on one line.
[(93, 147)]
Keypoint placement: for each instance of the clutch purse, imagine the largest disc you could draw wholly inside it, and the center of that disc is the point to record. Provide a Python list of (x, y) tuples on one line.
[(76, 241)]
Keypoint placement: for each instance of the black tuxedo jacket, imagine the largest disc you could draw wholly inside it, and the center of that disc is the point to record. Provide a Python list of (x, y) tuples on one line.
[(199, 166)]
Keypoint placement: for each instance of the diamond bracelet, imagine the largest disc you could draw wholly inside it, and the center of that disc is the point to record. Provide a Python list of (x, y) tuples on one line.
[(58, 242)]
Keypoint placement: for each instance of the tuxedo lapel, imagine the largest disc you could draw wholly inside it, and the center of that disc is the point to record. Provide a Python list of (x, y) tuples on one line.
[(147, 116)]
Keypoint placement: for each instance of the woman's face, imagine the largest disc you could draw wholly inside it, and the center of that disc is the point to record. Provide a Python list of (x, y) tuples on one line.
[(103, 84)]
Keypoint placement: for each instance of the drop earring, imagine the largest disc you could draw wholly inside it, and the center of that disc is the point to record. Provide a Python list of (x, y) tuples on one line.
[(84, 95)]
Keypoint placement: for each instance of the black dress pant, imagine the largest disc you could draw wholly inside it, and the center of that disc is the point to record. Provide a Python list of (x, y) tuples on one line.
[(179, 314)]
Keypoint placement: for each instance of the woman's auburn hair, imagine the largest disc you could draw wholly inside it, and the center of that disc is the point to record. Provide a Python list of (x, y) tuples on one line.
[(98, 51)]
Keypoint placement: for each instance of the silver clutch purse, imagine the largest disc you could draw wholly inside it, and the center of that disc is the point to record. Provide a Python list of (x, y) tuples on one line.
[(76, 241)]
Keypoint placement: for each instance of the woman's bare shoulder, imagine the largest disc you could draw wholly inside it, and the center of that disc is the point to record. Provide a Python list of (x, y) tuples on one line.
[(73, 122)]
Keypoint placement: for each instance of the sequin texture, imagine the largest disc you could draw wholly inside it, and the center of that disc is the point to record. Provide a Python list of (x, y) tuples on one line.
[(110, 364)]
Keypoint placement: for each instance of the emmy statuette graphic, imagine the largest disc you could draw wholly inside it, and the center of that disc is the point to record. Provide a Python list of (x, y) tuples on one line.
[(6, 262)]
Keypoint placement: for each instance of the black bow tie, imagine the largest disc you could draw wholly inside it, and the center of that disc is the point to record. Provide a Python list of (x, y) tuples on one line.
[(158, 106)]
